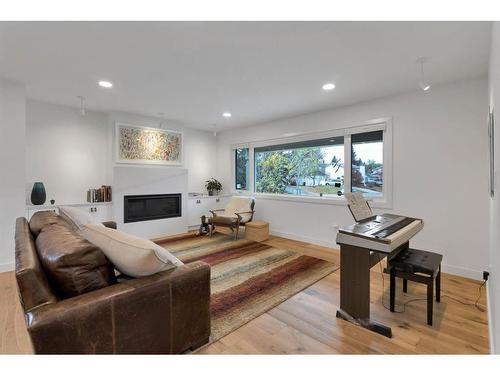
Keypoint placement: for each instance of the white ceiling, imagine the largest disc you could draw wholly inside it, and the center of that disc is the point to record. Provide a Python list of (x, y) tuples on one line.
[(259, 71)]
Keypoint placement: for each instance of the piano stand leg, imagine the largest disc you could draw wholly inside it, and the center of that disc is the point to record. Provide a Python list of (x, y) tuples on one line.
[(366, 323)]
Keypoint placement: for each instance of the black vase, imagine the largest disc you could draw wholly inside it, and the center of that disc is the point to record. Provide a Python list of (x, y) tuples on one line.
[(38, 195)]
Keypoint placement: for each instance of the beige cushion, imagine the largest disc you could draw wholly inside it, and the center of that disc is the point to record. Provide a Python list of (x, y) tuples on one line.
[(238, 204), (131, 255), (76, 217), (223, 220)]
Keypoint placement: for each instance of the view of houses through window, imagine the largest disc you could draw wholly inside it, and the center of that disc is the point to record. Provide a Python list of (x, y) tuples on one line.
[(314, 168), (367, 164)]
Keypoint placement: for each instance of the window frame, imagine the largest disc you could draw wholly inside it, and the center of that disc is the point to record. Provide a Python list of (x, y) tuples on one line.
[(249, 189), (249, 184), (384, 124)]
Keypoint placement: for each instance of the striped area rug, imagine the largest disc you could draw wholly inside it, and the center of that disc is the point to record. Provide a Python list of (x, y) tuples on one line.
[(247, 278)]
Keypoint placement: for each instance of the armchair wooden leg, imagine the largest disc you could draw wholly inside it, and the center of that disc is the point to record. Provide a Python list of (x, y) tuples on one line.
[(405, 286), (236, 232), (211, 226)]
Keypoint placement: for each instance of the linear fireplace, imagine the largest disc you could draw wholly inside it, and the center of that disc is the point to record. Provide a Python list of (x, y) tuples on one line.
[(151, 207)]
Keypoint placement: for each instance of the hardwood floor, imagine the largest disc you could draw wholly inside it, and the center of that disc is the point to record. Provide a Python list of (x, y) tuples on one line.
[(14, 338), (306, 322)]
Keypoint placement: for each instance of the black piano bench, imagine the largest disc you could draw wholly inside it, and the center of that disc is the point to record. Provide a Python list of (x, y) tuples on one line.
[(419, 266)]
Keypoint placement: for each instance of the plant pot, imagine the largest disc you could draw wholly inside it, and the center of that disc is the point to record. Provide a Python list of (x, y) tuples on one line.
[(210, 192), (38, 195)]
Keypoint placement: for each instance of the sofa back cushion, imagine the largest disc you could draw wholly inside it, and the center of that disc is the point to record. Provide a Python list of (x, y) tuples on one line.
[(34, 289), (72, 264), (41, 219)]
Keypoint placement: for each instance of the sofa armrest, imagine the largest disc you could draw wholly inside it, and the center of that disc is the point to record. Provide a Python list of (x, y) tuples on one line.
[(109, 224), (168, 312)]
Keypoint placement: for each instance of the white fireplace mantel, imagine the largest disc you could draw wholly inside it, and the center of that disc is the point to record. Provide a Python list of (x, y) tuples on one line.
[(143, 180)]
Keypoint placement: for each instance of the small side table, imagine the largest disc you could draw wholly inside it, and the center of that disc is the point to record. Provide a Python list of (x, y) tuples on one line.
[(257, 231)]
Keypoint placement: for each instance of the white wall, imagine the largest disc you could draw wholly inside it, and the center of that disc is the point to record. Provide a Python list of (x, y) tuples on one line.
[(71, 153), (440, 167), (66, 151), (12, 172), (493, 283)]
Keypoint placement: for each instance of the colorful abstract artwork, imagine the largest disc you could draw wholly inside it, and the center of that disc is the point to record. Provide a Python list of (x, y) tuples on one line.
[(137, 144)]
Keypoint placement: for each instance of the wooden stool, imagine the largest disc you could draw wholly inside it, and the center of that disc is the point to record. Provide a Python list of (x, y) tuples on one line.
[(257, 231), (419, 266)]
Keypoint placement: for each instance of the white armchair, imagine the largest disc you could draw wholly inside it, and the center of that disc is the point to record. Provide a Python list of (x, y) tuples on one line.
[(238, 212)]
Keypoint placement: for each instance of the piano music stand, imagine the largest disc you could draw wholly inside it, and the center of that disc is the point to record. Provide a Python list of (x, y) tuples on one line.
[(354, 217)]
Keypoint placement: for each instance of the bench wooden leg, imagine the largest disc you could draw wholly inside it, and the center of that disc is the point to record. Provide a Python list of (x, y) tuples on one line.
[(430, 300), (438, 285), (392, 295), (405, 286)]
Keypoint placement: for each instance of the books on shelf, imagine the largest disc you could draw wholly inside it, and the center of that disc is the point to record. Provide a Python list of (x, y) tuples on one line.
[(102, 194)]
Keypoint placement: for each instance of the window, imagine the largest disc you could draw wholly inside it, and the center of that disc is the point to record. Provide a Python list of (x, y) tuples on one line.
[(367, 164), (311, 168), (241, 168), (323, 165)]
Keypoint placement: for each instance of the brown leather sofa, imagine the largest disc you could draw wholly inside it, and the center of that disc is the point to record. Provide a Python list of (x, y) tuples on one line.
[(168, 312)]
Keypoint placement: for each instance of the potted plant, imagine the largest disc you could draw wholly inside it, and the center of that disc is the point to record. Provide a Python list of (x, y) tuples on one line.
[(213, 186)]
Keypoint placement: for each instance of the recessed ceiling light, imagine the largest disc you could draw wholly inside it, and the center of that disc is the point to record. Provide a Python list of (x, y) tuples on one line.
[(328, 86), (105, 84), (226, 114)]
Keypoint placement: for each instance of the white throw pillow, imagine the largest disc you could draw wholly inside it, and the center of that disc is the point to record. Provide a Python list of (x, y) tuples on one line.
[(77, 217), (131, 255)]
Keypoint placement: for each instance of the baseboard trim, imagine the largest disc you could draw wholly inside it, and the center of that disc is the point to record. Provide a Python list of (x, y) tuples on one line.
[(6, 267), (454, 270), (462, 271), (290, 236)]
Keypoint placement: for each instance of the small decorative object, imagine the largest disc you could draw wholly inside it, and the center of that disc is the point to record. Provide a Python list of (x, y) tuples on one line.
[(142, 145), (38, 195), (52, 201), (213, 186), (204, 229)]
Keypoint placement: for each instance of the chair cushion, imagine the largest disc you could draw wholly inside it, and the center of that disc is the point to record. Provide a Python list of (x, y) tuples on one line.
[(41, 219), (131, 255), (239, 204), (223, 220), (72, 264)]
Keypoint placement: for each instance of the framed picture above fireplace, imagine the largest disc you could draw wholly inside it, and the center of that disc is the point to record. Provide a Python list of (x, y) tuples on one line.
[(136, 144)]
